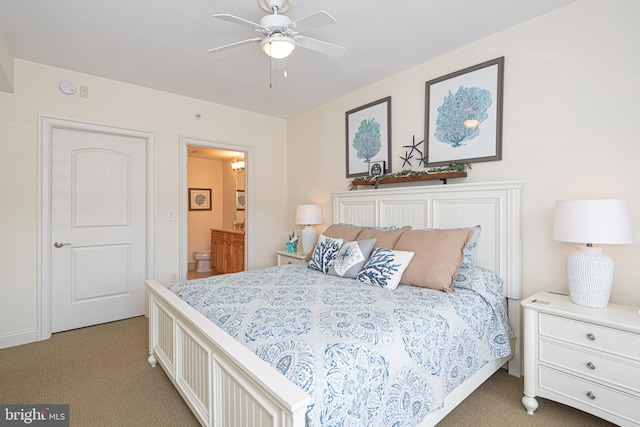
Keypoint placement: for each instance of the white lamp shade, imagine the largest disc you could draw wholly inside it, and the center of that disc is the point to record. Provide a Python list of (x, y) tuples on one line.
[(308, 214), (589, 270), (603, 221)]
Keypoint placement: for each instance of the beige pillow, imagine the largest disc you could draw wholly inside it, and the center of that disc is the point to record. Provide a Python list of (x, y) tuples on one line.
[(336, 231), (384, 238), (437, 259)]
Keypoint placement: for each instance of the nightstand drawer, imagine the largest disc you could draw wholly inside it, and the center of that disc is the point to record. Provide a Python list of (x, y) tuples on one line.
[(590, 335), (597, 366), (578, 390), (286, 258)]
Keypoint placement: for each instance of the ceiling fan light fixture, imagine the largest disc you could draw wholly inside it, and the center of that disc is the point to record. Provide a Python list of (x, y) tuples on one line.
[(278, 46)]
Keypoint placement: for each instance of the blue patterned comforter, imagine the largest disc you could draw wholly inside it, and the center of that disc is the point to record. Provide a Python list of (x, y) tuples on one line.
[(365, 355)]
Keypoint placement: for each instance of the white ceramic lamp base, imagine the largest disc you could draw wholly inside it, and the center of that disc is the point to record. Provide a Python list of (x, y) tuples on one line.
[(590, 275), (309, 237)]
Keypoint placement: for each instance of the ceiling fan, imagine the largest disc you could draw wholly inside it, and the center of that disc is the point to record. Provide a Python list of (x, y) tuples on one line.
[(281, 34)]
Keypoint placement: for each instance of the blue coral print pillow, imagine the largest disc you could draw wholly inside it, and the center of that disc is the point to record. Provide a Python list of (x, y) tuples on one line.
[(324, 253), (385, 267), (351, 257)]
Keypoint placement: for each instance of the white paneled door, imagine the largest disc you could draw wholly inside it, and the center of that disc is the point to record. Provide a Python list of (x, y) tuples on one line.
[(98, 222)]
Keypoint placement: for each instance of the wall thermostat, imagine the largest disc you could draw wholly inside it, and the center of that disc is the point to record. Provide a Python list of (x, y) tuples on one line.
[(67, 87)]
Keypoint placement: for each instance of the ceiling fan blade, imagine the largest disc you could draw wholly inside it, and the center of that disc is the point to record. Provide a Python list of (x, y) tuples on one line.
[(236, 44), (315, 20), (320, 46), (241, 21)]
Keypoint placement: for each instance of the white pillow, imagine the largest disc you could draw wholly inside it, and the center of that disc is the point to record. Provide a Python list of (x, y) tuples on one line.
[(351, 257), (385, 267), (324, 253)]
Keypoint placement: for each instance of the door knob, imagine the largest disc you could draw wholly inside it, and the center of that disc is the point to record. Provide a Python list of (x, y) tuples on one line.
[(60, 244)]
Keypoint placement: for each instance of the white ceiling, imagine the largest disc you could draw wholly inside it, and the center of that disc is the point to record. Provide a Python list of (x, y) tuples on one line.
[(163, 45)]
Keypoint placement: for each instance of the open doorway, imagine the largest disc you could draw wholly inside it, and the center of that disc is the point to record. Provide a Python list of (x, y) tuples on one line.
[(213, 231)]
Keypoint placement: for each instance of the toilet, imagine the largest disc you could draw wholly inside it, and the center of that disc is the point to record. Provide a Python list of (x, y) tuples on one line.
[(204, 260)]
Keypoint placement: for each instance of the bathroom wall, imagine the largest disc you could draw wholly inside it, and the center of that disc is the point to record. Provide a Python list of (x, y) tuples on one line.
[(204, 173)]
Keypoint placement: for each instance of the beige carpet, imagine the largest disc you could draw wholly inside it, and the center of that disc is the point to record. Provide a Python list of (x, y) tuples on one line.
[(103, 374)]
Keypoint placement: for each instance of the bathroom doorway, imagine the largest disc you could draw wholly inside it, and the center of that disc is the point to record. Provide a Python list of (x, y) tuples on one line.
[(215, 190)]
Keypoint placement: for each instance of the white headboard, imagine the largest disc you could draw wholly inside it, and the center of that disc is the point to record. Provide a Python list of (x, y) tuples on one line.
[(493, 205)]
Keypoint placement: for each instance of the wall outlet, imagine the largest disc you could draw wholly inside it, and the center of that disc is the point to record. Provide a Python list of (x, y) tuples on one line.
[(174, 276)]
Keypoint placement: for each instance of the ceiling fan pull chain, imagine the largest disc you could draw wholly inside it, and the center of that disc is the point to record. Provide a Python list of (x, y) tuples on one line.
[(270, 66)]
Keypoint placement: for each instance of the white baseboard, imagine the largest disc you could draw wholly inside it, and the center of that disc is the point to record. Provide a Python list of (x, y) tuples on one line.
[(18, 338)]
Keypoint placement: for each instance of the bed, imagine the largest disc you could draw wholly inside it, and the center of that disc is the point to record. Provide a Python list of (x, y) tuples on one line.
[(232, 372)]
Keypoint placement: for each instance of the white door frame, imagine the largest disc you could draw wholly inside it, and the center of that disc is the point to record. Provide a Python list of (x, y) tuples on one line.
[(184, 142), (46, 125)]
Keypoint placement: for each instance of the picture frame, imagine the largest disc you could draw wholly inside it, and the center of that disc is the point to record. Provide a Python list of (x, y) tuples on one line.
[(463, 115), (376, 168), (368, 137), (240, 199), (199, 199)]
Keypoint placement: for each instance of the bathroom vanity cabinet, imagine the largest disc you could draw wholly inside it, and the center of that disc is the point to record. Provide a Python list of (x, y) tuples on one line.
[(227, 250)]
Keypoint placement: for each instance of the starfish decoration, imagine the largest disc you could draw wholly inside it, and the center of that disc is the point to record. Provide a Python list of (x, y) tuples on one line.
[(406, 160), (422, 160), (414, 146), (408, 155)]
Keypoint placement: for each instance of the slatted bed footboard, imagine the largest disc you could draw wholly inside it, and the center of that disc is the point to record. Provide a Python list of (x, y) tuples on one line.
[(222, 381)]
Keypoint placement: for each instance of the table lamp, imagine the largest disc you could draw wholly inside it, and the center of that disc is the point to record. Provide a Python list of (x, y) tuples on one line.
[(589, 270), (308, 215)]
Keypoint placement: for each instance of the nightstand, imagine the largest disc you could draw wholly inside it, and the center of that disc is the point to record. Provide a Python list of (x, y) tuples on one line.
[(588, 358), (285, 257)]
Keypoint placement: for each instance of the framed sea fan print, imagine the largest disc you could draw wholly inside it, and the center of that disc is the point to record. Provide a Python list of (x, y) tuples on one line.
[(368, 137), (463, 115), (199, 199)]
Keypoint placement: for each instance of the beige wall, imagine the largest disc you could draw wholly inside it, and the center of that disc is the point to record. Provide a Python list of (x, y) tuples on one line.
[(570, 129), (115, 103), (205, 173)]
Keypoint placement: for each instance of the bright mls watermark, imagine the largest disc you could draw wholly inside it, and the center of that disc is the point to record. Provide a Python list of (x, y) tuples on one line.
[(34, 415)]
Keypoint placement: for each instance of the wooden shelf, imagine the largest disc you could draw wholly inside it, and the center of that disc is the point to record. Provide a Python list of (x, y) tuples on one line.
[(443, 176)]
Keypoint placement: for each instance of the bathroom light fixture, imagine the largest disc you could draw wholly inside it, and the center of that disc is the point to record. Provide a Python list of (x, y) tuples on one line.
[(589, 270), (236, 166), (309, 215), (278, 46)]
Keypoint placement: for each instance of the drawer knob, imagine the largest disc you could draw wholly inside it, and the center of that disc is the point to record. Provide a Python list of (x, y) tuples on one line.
[(591, 396), (591, 337), (591, 366)]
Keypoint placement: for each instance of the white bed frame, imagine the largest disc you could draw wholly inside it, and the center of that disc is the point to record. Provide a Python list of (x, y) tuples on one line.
[(226, 384)]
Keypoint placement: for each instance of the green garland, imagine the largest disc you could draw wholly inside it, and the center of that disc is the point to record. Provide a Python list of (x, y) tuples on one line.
[(452, 167)]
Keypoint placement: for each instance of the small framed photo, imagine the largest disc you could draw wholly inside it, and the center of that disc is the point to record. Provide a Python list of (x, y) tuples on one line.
[(376, 168), (199, 199)]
